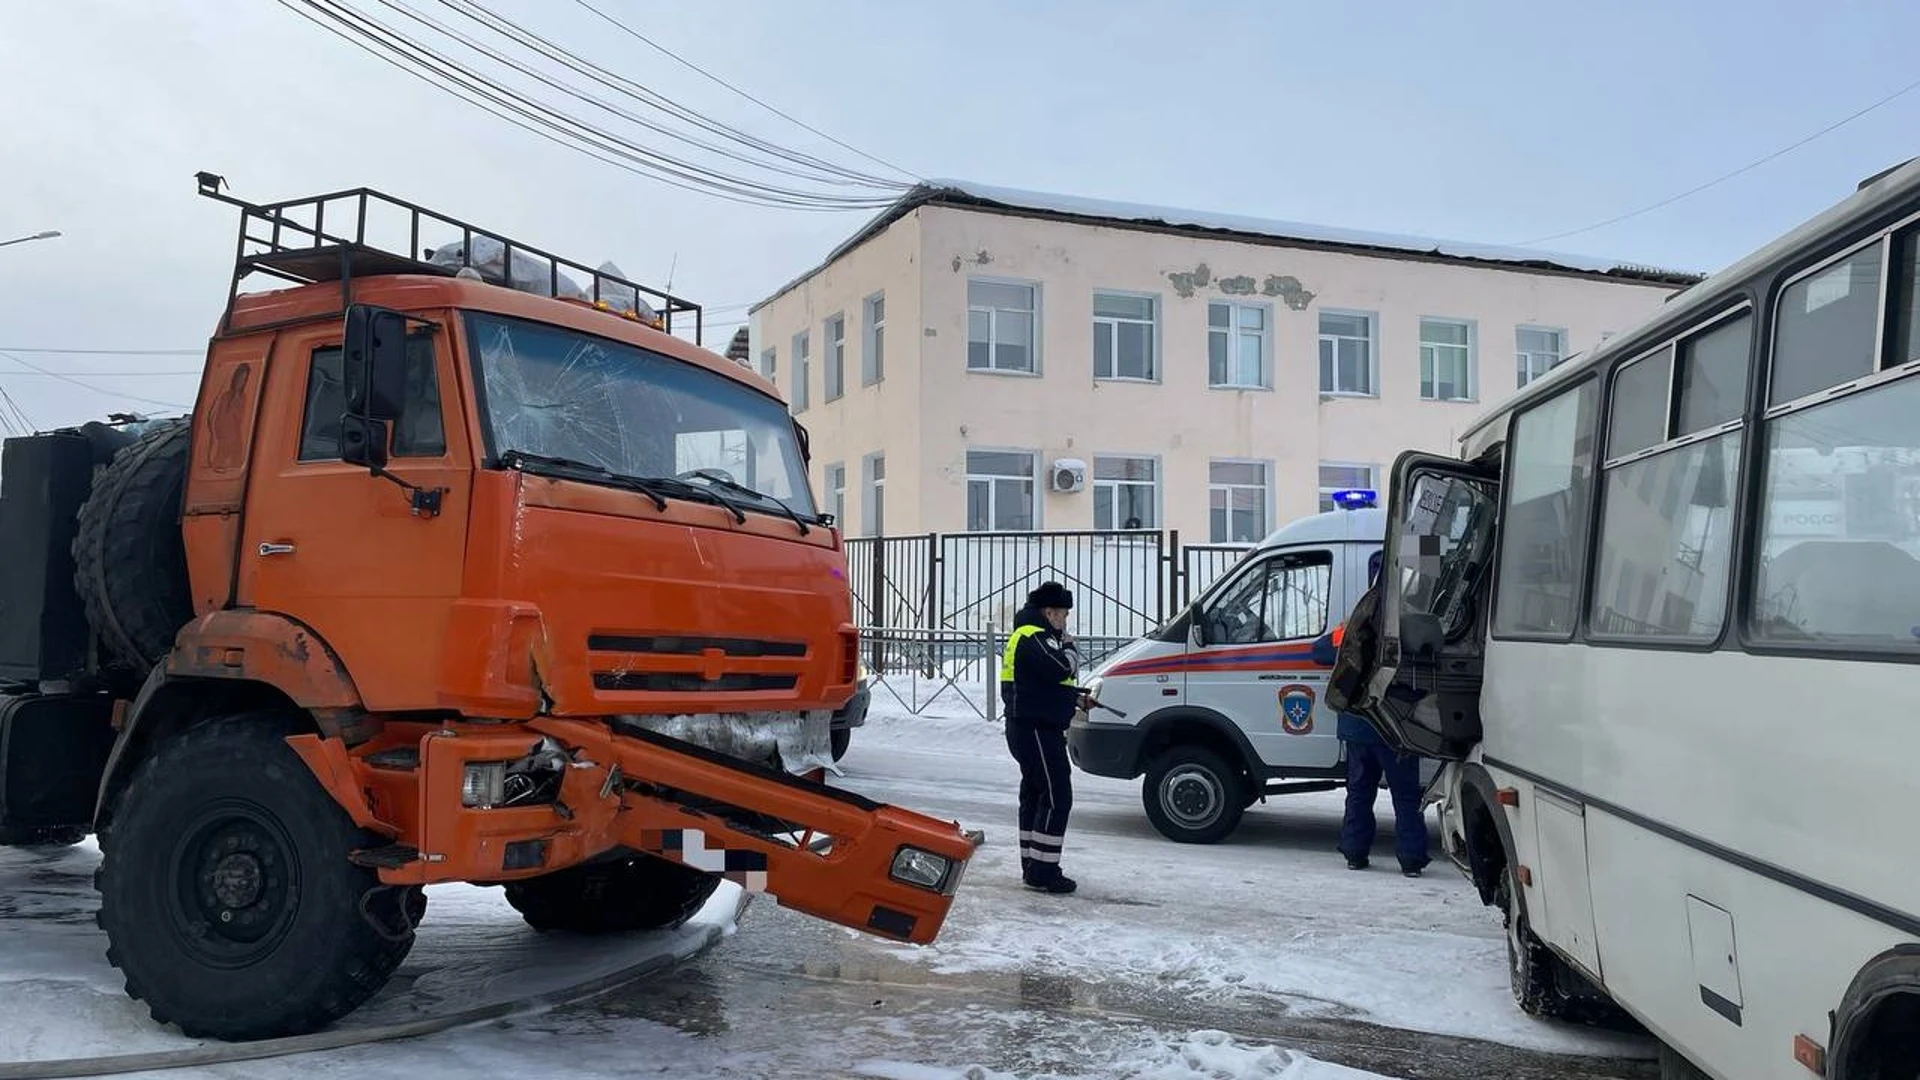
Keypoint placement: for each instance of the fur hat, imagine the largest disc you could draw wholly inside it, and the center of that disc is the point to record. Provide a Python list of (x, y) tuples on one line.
[(1050, 594)]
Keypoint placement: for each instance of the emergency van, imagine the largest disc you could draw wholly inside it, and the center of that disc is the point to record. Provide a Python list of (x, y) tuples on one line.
[(1223, 706)]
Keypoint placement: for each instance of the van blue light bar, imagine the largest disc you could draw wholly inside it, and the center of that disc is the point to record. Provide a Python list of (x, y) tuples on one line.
[(1355, 498)]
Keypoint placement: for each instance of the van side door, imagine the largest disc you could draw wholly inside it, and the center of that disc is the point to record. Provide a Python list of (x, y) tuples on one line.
[(1412, 653), (1252, 656)]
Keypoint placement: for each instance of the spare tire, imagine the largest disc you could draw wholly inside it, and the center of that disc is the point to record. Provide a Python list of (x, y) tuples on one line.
[(130, 564)]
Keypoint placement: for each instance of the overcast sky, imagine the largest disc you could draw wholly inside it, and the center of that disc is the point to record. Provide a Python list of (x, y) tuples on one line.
[(1498, 121)]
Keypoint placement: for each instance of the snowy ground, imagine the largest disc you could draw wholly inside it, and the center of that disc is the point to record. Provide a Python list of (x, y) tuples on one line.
[(1259, 958)]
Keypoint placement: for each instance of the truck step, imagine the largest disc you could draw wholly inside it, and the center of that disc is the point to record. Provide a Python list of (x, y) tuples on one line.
[(390, 857), (396, 759)]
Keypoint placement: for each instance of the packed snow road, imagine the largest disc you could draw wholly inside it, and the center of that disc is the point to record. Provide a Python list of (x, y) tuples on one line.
[(1262, 957)]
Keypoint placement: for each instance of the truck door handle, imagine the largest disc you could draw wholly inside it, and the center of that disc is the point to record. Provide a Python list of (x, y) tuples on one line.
[(269, 548)]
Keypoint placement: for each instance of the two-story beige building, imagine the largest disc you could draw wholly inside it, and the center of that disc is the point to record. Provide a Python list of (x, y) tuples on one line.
[(978, 359)]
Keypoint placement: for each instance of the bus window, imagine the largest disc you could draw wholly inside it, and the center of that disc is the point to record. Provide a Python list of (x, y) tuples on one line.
[(1544, 538), (1666, 528)]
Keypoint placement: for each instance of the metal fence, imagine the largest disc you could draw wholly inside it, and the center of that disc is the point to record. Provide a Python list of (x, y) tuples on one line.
[(933, 608)]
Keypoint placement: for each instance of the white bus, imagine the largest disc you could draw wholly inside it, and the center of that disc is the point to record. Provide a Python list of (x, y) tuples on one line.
[(1662, 618)]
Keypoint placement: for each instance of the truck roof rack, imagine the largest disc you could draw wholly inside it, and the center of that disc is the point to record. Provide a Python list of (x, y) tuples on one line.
[(292, 240)]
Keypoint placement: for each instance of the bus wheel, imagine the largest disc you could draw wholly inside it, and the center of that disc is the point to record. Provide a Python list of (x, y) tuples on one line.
[(1543, 984), (227, 895), (1193, 795), (641, 893), (1675, 1067)]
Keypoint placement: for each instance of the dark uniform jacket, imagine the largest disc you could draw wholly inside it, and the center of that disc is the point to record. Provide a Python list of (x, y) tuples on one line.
[(1037, 674)]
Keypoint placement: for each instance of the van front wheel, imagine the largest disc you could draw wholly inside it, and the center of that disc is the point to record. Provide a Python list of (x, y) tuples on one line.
[(1194, 795)]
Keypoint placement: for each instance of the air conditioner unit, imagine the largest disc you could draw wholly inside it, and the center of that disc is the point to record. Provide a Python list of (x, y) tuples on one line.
[(1068, 475)]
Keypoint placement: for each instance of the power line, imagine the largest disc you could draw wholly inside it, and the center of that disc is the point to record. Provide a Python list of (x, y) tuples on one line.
[(697, 69), (112, 374), (1749, 167), (370, 34), (506, 27), (24, 362), (13, 416), (104, 352)]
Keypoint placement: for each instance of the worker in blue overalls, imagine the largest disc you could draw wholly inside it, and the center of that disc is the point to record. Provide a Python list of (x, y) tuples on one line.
[(1040, 690), (1368, 759)]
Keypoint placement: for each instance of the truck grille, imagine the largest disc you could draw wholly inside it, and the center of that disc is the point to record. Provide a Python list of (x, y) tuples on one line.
[(673, 645), (683, 682)]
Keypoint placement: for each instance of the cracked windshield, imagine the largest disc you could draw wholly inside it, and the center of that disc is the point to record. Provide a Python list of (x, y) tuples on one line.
[(632, 412)]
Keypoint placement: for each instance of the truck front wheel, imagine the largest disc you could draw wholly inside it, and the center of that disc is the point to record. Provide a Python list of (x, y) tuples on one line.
[(640, 893), (227, 895)]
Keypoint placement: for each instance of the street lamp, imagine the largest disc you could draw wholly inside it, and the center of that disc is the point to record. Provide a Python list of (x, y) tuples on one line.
[(45, 235)]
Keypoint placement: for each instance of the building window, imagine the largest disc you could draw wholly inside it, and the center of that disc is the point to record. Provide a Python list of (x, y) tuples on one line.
[(1537, 352), (1126, 491), (1124, 336), (873, 355), (1237, 501), (873, 479), (1666, 516), (1549, 498), (769, 365), (837, 492), (1346, 353), (800, 371), (1343, 476), (836, 357), (1000, 491), (1237, 345), (1446, 360), (1000, 323)]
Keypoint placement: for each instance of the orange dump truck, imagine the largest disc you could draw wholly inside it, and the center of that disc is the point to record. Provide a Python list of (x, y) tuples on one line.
[(463, 568)]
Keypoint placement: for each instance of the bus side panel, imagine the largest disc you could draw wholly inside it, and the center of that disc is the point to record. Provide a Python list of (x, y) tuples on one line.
[(1793, 954)]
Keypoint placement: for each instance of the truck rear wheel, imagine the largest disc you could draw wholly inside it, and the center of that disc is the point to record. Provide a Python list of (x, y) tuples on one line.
[(130, 564), (227, 895), (641, 893), (1193, 795)]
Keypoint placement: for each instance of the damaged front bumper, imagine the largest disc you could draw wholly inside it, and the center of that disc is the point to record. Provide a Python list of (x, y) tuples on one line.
[(797, 743)]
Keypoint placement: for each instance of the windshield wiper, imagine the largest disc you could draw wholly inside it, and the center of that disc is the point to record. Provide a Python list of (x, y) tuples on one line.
[(720, 480), (573, 469)]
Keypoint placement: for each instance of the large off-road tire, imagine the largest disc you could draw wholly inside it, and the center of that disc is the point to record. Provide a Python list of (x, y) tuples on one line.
[(641, 893), (33, 836), (841, 739), (130, 564), (227, 895), (1542, 983), (1193, 795)]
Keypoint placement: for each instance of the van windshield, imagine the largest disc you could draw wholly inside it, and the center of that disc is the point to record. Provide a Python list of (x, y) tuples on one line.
[(635, 413)]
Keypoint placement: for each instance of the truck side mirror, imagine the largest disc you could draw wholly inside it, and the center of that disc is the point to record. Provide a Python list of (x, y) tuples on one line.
[(374, 372)]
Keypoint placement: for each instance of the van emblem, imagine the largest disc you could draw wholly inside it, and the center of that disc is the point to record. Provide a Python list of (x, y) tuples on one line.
[(1296, 709)]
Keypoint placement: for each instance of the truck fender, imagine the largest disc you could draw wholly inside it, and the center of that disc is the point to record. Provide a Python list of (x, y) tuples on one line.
[(225, 661)]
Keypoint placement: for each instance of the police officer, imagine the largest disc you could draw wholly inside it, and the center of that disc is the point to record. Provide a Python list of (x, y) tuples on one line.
[(1040, 690)]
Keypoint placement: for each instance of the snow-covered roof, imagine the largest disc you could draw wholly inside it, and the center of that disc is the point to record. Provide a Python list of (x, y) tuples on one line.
[(986, 197)]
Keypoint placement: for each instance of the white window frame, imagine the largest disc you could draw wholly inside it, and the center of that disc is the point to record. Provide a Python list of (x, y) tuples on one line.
[(1114, 322), (873, 493), (1326, 492), (769, 364), (1266, 498), (1373, 352), (834, 333), (873, 340), (802, 361), (1159, 475), (1034, 480), (1524, 360), (834, 477), (1234, 334), (993, 340), (1473, 358)]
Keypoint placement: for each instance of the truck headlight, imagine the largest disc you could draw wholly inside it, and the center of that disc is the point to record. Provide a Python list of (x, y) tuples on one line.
[(484, 785), (912, 866)]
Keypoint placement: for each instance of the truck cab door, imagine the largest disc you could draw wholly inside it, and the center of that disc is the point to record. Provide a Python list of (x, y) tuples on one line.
[(1412, 653)]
